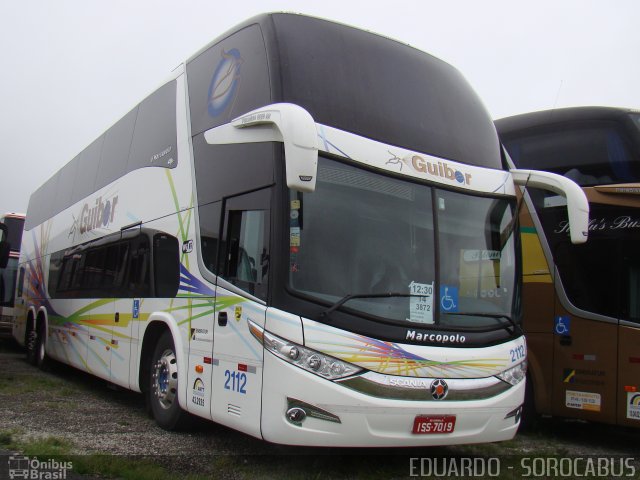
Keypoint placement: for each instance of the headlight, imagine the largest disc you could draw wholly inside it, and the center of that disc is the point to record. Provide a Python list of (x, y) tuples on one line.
[(515, 374), (305, 358)]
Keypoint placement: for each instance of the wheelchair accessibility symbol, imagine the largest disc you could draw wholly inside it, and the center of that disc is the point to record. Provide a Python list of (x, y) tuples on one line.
[(562, 325), (448, 298)]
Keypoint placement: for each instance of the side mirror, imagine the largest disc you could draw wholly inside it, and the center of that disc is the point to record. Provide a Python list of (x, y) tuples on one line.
[(279, 122), (5, 248), (577, 203)]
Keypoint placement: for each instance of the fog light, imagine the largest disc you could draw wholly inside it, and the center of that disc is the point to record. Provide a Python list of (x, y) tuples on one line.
[(296, 415), (298, 411), (515, 414)]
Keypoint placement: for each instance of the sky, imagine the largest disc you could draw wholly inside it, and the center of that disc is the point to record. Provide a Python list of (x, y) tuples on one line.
[(72, 68)]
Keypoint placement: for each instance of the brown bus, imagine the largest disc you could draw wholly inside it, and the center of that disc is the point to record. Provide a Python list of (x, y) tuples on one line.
[(581, 303)]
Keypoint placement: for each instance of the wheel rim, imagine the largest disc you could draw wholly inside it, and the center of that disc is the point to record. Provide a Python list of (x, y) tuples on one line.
[(165, 379)]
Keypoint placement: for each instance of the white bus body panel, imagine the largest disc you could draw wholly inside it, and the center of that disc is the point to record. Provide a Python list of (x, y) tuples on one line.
[(367, 420)]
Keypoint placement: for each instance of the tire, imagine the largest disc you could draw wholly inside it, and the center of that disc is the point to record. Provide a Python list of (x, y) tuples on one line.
[(530, 417), (162, 395), (31, 344), (36, 341), (42, 359)]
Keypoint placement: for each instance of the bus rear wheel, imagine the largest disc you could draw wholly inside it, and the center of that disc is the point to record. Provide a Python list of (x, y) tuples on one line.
[(163, 386), (32, 345), (36, 353)]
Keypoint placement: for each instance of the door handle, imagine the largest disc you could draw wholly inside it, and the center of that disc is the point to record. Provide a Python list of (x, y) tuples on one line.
[(222, 319), (117, 317)]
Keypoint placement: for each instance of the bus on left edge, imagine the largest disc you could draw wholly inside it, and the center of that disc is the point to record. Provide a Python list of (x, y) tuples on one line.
[(14, 223)]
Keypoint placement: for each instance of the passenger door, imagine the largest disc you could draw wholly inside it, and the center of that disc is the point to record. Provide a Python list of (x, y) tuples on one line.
[(241, 294), (586, 328), (629, 338)]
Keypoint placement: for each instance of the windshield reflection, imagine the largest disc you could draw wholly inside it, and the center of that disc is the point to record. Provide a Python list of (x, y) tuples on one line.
[(377, 239)]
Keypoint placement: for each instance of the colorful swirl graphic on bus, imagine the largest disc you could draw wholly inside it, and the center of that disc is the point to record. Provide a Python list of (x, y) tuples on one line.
[(391, 358), (225, 82)]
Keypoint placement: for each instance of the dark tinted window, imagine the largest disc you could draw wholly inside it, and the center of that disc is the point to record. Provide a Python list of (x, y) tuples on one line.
[(120, 150), (382, 89), (116, 266), (166, 265), (228, 79), (138, 276), (89, 160), (154, 139), (225, 170), (94, 268), (589, 153), (41, 203), (8, 283), (603, 275), (115, 150), (209, 216), (15, 226), (66, 182), (244, 256)]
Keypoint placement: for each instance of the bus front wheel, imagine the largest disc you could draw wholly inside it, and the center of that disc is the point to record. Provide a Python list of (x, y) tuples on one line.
[(163, 386)]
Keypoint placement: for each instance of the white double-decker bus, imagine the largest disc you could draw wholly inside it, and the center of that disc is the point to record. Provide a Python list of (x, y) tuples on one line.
[(307, 234)]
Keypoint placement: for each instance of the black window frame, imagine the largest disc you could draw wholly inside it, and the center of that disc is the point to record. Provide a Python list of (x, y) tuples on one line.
[(147, 265), (230, 252)]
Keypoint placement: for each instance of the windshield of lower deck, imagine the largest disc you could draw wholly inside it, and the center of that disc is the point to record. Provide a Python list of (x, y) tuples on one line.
[(8, 282), (363, 233)]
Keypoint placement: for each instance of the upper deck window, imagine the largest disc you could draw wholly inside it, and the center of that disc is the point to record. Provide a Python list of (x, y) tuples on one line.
[(379, 88), (589, 153)]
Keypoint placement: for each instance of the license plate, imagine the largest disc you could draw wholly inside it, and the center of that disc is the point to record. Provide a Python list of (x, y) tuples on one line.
[(434, 424)]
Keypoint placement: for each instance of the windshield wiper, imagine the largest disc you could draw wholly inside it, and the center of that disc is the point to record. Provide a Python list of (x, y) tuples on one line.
[(517, 329), (351, 296)]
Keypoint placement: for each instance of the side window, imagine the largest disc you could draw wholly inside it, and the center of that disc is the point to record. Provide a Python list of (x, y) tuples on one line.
[(41, 203), (138, 269), (88, 162), (166, 265), (118, 267), (115, 150), (154, 138), (245, 251), (114, 266), (209, 232), (71, 275), (228, 79), (55, 266), (66, 180)]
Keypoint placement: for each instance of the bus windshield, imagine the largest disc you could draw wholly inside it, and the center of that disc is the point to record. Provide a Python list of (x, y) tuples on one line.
[(595, 152), (8, 282), (365, 233), (610, 260)]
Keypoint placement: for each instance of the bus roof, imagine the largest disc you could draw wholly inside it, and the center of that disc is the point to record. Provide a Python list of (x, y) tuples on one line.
[(532, 120), (13, 215), (353, 80)]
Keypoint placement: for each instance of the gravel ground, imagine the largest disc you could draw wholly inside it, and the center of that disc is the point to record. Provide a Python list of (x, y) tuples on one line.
[(97, 418)]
